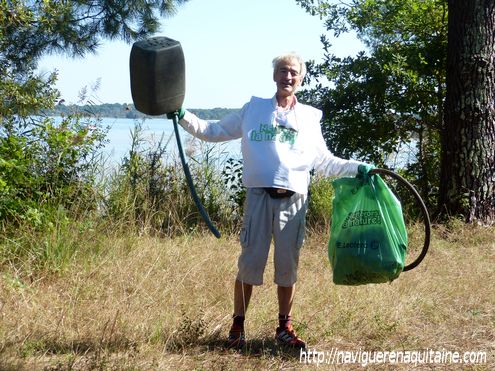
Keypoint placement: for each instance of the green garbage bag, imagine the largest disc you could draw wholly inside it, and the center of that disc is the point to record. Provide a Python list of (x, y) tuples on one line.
[(368, 237)]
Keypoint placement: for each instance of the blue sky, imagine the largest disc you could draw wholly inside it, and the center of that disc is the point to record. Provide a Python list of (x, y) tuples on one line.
[(228, 47)]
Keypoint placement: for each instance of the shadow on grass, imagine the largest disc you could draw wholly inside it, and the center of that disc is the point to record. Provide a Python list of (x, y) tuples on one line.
[(45, 346), (95, 352), (263, 347)]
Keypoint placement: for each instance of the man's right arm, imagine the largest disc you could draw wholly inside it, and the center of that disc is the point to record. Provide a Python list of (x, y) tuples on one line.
[(228, 128)]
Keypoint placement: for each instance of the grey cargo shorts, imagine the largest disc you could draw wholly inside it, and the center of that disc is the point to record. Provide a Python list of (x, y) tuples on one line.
[(284, 220)]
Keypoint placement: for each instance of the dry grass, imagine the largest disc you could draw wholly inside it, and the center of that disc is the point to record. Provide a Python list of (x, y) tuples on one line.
[(166, 304)]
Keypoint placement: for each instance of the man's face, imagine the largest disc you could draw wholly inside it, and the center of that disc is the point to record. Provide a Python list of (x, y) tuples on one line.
[(287, 77)]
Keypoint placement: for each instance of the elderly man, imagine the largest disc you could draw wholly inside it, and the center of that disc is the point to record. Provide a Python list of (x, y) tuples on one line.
[(281, 143)]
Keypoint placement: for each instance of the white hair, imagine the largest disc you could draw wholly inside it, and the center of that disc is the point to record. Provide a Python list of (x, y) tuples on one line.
[(289, 57)]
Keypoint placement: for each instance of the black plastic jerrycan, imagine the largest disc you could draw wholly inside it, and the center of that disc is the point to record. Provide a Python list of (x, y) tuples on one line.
[(157, 70)]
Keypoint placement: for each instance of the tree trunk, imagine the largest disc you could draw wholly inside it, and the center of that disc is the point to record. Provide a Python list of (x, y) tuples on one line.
[(467, 184)]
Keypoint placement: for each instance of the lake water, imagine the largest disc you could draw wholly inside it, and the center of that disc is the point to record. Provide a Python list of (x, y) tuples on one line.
[(119, 138)]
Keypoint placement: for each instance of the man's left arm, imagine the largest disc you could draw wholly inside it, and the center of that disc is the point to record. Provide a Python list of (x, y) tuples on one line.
[(327, 164)]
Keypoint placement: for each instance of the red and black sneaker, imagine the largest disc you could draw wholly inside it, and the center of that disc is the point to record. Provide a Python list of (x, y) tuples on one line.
[(287, 336), (236, 340)]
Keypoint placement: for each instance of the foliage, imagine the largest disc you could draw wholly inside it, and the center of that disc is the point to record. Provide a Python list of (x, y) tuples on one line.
[(41, 160), (213, 113), (391, 95), (29, 29), (320, 204), (117, 110), (232, 176), (46, 164)]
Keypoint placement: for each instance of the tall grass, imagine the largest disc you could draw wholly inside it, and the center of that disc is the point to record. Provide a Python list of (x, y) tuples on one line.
[(166, 303)]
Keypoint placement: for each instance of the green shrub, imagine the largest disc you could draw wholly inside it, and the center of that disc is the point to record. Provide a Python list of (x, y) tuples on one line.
[(43, 162), (320, 203)]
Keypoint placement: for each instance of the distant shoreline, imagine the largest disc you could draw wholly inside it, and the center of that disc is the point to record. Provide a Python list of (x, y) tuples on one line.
[(128, 111)]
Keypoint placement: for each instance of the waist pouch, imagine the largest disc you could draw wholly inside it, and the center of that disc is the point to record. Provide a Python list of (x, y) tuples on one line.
[(279, 192)]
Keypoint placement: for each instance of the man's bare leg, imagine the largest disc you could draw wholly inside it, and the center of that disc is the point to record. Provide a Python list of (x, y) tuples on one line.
[(285, 299), (242, 296)]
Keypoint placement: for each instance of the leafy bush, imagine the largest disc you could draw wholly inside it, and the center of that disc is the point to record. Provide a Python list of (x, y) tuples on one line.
[(42, 162)]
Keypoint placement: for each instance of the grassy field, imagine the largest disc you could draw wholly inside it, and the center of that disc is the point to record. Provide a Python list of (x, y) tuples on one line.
[(143, 303)]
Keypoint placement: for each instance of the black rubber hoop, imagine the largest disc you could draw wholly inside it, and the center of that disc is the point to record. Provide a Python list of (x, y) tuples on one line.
[(190, 183), (424, 210)]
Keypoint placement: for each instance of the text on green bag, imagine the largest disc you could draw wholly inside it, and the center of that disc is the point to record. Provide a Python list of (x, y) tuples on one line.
[(361, 217)]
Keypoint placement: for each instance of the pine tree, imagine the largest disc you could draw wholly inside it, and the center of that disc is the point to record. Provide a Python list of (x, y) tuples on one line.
[(30, 29)]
